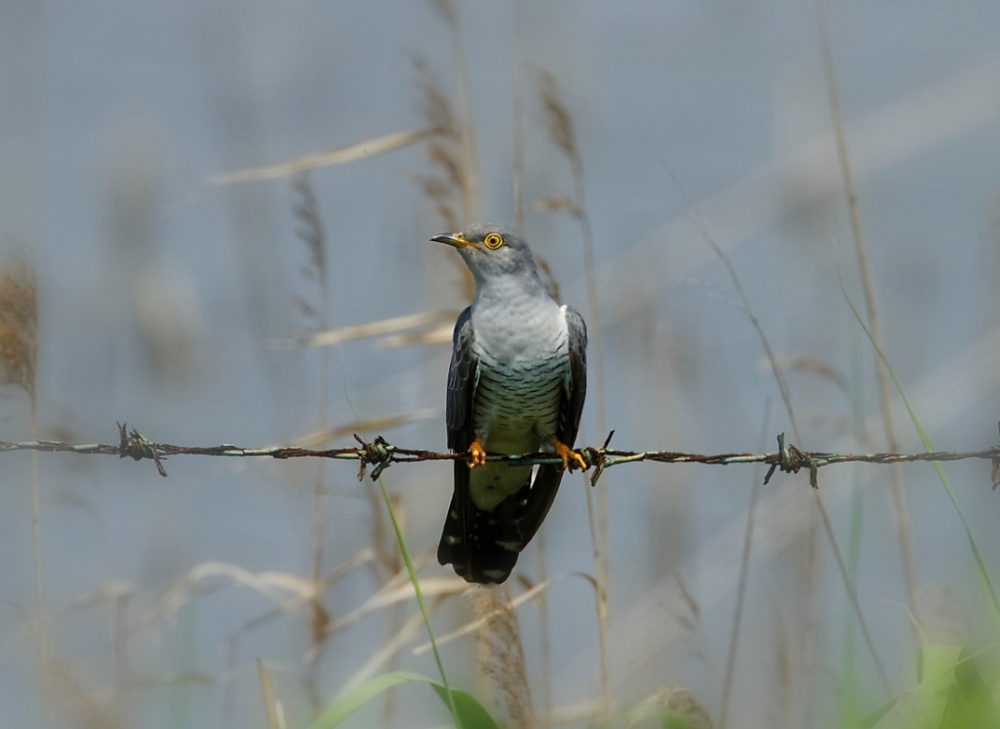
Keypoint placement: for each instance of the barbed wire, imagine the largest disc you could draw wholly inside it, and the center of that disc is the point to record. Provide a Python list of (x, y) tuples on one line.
[(380, 454)]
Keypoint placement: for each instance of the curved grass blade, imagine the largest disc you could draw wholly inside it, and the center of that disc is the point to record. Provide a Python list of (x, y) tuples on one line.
[(468, 712), (991, 595)]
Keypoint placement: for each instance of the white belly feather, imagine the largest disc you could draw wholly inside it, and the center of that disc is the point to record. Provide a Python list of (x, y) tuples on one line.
[(523, 375)]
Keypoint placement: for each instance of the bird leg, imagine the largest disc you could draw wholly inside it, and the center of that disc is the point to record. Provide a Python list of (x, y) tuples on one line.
[(566, 453), (477, 453)]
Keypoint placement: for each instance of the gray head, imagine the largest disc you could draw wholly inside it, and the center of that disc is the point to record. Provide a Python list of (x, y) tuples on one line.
[(491, 250)]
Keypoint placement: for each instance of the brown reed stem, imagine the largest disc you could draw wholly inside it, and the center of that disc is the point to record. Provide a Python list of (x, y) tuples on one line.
[(900, 508)]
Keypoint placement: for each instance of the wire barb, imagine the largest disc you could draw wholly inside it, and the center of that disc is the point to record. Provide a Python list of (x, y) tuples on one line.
[(791, 460), (596, 457), (379, 453), (136, 446)]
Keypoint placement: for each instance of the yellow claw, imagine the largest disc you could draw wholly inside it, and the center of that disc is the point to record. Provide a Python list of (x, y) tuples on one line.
[(477, 453), (566, 453)]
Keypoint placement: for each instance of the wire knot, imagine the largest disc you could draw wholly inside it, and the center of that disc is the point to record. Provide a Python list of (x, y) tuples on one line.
[(597, 457), (791, 460), (378, 453), (136, 446)]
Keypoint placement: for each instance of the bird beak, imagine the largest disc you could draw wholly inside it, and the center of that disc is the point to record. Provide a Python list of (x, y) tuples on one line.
[(453, 239)]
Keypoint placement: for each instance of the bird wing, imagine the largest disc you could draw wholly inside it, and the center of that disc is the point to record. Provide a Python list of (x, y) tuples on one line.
[(546, 483), (576, 385), (463, 376)]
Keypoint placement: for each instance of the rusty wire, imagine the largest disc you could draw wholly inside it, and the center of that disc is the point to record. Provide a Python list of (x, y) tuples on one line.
[(380, 454)]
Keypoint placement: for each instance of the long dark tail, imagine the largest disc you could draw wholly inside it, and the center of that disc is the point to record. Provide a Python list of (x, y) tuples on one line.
[(483, 545)]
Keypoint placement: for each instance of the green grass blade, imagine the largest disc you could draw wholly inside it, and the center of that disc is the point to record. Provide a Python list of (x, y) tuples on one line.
[(472, 713), (467, 711), (423, 608), (449, 693), (984, 577)]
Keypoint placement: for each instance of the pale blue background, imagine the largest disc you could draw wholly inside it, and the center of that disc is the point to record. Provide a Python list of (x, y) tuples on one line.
[(114, 115)]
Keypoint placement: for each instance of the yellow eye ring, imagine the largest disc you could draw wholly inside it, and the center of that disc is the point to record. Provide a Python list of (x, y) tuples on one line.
[(493, 241)]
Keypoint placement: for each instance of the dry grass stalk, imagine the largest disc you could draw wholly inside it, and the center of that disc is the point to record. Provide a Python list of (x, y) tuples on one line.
[(467, 139), (900, 509), (741, 587), (380, 328), (517, 176), (19, 367), (272, 707), (375, 425), (276, 586), (562, 134), (544, 633), (535, 592), (350, 153), (444, 187), (388, 651), (360, 559), (440, 334), (312, 234), (784, 663), (502, 655), (394, 594), (458, 157), (450, 181)]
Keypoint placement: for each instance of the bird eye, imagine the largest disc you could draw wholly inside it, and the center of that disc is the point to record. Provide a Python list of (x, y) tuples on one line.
[(493, 241)]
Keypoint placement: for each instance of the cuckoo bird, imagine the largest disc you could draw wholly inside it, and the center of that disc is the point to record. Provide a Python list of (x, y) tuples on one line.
[(516, 385)]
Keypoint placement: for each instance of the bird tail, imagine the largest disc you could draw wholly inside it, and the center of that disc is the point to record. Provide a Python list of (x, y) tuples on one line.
[(483, 546)]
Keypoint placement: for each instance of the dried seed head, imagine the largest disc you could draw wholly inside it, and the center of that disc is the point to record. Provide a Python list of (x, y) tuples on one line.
[(501, 656), (677, 703), (558, 118), (18, 323), (446, 9), (434, 105)]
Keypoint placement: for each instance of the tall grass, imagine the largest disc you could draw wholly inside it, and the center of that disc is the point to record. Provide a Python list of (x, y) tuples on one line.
[(902, 515), (19, 368), (317, 314)]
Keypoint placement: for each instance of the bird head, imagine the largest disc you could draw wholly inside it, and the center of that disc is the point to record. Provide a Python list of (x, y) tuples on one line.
[(491, 250)]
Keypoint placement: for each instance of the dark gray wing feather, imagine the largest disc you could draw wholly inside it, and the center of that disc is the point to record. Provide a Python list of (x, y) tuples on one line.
[(463, 374), (576, 390)]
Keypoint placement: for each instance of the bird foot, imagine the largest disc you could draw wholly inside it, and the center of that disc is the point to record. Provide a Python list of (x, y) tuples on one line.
[(566, 453), (477, 453)]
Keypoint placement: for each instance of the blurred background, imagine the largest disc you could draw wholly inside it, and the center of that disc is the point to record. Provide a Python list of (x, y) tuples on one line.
[(158, 173)]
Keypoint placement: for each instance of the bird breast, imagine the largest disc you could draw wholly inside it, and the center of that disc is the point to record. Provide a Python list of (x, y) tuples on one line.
[(523, 351)]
